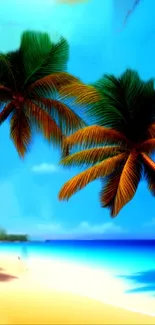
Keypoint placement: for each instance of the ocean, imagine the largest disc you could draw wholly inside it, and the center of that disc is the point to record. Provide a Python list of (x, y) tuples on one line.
[(130, 263), (118, 255)]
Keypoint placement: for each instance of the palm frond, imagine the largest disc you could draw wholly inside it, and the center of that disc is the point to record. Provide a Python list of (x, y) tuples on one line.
[(95, 135), (101, 169), (6, 73), (104, 114), (148, 146), (84, 94), (122, 92), (41, 56), (129, 180), (148, 161), (7, 110), (149, 173), (132, 84), (67, 119), (111, 110), (127, 104), (90, 156), (50, 83), (151, 131), (109, 190), (44, 123), (20, 132)]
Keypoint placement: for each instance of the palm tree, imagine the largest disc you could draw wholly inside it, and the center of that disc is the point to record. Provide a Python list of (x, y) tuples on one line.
[(118, 149), (29, 80)]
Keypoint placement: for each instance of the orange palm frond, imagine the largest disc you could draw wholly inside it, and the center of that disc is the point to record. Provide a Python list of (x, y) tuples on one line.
[(90, 156), (95, 135), (108, 193), (68, 120), (148, 161), (79, 181), (20, 132), (7, 110), (151, 130), (149, 172), (84, 94), (55, 81), (44, 122), (129, 180), (147, 146)]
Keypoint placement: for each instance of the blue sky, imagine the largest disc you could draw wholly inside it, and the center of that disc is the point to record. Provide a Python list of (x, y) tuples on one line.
[(29, 188)]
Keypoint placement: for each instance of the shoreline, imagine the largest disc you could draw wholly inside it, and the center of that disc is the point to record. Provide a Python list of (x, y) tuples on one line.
[(94, 283), (50, 277)]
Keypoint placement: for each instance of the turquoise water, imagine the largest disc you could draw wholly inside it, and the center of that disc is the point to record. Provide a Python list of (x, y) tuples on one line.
[(127, 277), (132, 261)]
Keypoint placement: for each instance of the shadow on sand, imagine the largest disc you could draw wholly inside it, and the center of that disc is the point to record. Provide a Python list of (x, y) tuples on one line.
[(145, 281), (4, 277)]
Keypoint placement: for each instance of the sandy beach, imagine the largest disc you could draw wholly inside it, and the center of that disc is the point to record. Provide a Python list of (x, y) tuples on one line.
[(30, 297)]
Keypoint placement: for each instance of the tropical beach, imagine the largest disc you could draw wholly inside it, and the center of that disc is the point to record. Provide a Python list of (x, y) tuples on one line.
[(36, 296), (77, 124)]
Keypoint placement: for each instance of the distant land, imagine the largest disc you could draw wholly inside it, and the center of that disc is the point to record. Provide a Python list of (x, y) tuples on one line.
[(12, 237)]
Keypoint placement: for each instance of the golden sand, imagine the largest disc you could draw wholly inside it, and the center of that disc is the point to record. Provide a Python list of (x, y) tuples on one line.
[(23, 301)]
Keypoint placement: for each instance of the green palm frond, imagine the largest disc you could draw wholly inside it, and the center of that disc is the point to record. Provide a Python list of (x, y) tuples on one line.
[(42, 57), (116, 94), (6, 74), (127, 103)]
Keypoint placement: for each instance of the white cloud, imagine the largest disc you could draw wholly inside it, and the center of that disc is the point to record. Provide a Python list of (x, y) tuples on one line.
[(45, 168), (84, 229), (103, 228)]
